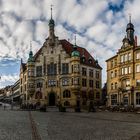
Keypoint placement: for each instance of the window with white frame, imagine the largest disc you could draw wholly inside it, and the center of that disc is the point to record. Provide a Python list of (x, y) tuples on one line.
[(125, 70), (129, 69), (122, 58), (138, 55), (129, 56), (125, 57), (138, 68)]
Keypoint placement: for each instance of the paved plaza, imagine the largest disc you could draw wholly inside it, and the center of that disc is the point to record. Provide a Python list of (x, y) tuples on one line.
[(54, 125)]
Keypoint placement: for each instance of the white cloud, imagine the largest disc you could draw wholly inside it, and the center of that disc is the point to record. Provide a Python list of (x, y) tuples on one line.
[(8, 79), (99, 29)]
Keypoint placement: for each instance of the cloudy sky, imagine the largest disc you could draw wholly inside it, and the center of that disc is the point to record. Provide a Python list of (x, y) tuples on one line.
[(99, 24)]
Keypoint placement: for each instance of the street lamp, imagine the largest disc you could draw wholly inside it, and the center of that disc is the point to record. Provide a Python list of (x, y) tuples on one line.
[(11, 98)]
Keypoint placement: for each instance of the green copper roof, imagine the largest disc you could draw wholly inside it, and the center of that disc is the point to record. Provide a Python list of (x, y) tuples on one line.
[(51, 22), (75, 52), (31, 59)]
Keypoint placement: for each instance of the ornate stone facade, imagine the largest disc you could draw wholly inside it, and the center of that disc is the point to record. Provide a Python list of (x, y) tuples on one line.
[(123, 72), (60, 73)]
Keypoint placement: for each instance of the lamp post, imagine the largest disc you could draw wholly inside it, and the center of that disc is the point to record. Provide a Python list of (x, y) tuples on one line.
[(12, 98)]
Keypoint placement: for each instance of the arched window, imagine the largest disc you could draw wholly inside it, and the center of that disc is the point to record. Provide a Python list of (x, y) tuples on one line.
[(66, 103), (66, 94)]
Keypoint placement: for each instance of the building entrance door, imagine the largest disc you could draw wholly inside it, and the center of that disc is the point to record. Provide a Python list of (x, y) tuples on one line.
[(52, 99)]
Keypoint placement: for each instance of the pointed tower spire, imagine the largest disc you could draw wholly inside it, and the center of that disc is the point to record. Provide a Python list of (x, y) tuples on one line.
[(30, 59), (51, 27), (75, 52), (130, 31), (51, 11)]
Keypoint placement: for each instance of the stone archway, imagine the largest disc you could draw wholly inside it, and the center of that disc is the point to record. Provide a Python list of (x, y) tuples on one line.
[(52, 99)]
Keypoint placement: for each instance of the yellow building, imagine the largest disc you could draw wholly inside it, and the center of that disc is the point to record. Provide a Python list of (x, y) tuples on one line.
[(123, 72), (60, 73)]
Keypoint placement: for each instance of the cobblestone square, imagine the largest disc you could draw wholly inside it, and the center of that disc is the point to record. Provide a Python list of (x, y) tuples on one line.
[(54, 125)]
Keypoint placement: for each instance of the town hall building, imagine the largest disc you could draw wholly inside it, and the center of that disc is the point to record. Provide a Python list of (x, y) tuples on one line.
[(60, 73)]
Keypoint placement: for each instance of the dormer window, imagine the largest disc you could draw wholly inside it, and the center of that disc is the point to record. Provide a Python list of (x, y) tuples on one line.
[(90, 60), (83, 58)]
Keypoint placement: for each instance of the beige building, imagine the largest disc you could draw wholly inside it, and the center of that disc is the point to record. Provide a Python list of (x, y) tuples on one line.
[(60, 73), (123, 72)]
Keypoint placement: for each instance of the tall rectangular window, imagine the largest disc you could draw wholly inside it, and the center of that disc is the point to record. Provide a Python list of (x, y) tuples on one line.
[(97, 75), (138, 55), (125, 70), (97, 84), (84, 82), (112, 74), (52, 69), (138, 68), (39, 71), (122, 60), (114, 99), (129, 56), (90, 83), (65, 68), (90, 73), (84, 71), (129, 69), (126, 57)]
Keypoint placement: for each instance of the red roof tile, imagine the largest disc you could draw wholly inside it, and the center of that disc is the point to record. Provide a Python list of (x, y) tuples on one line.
[(69, 48)]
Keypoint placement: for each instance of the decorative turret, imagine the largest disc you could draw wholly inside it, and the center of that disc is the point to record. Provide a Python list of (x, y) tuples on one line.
[(30, 59), (75, 52), (125, 42), (130, 31)]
